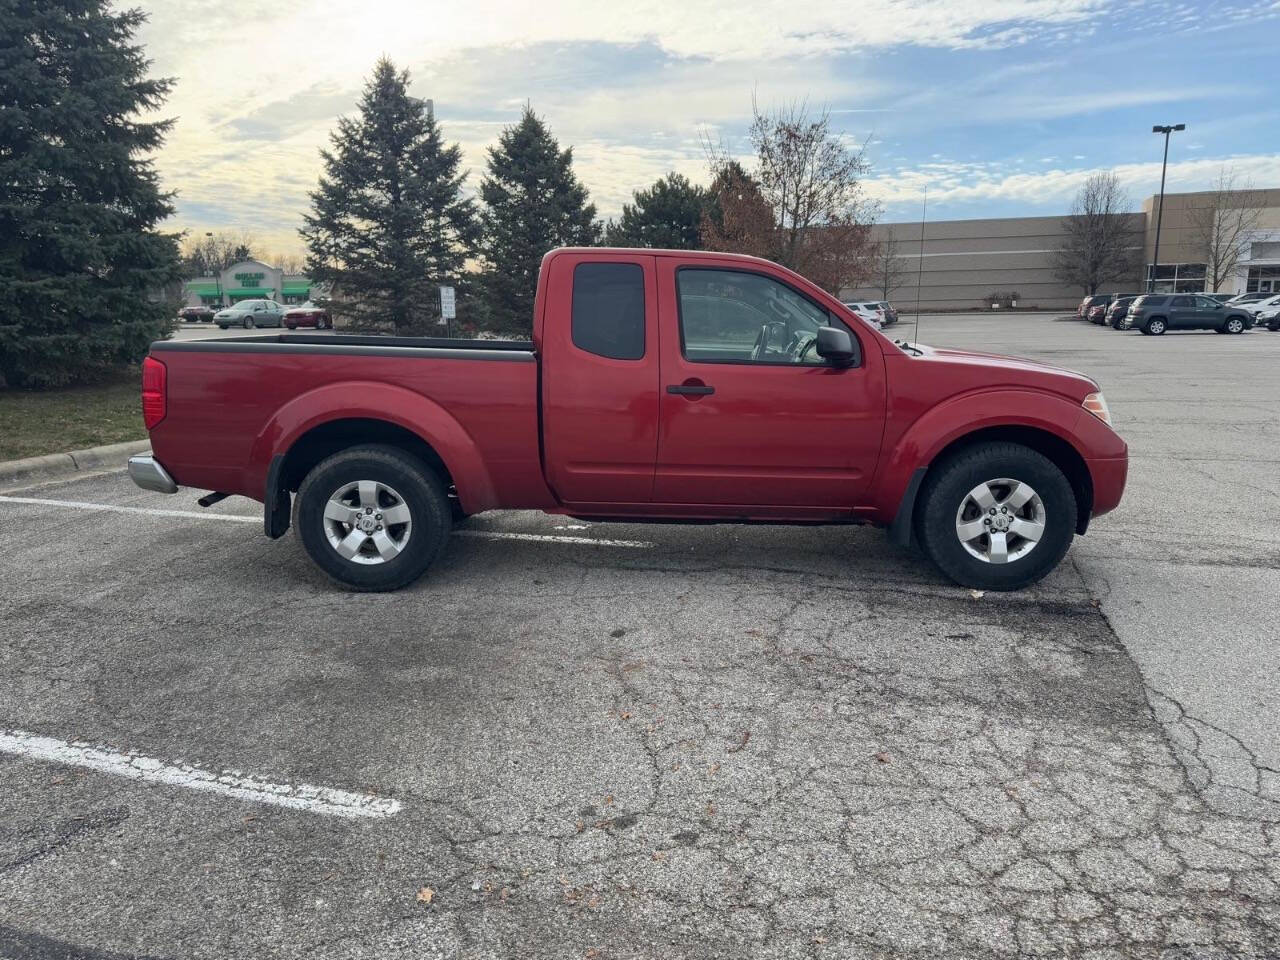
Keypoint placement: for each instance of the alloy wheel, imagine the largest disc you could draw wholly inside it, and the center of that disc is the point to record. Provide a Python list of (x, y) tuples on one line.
[(367, 521), (1000, 521)]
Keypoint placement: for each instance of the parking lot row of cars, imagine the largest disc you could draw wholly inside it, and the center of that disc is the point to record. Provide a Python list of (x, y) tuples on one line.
[(878, 313), (1156, 313), (260, 313)]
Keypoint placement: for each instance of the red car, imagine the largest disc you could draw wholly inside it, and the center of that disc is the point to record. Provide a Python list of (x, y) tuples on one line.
[(307, 315), (679, 386)]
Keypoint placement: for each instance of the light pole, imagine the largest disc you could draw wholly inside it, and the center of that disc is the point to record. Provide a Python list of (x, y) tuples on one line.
[(1155, 257), (217, 276)]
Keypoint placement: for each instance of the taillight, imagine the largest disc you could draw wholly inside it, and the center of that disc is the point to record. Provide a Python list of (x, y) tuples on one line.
[(154, 391)]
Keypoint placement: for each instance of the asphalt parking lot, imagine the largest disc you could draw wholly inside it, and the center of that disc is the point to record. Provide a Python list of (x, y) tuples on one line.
[(638, 741)]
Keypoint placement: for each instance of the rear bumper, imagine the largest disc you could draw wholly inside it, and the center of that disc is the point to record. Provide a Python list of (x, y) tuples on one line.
[(147, 473)]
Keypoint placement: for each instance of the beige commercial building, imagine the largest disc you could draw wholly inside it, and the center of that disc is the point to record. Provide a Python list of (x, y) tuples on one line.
[(247, 280), (964, 262)]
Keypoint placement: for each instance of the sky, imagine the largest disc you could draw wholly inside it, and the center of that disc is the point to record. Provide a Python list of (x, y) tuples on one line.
[(996, 107)]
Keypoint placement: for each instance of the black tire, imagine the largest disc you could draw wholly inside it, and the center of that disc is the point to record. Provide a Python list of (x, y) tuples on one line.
[(222, 326), (421, 491), (1273, 326), (1156, 326), (948, 484), (1233, 325)]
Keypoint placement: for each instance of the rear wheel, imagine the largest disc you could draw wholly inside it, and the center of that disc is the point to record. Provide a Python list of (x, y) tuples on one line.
[(372, 517), (997, 516), (1155, 326)]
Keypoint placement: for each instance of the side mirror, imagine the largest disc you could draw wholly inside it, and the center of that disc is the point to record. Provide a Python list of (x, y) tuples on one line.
[(836, 346)]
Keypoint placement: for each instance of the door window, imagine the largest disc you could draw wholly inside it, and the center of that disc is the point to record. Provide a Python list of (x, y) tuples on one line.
[(608, 310), (731, 316), (1181, 303)]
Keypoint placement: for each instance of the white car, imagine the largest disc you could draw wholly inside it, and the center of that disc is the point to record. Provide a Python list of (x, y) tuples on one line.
[(872, 313), (1259, 307)]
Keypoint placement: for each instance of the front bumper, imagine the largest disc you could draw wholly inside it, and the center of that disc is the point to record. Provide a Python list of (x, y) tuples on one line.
[(147, 473)]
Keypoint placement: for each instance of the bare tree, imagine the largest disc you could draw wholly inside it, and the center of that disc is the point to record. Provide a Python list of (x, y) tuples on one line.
[(890, 269), (1221, 225), (1102, 242), (211, 253), (804, 205)]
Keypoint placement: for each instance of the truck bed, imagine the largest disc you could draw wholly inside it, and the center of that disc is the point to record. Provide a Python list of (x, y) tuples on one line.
[(350, 343), (233, 401)]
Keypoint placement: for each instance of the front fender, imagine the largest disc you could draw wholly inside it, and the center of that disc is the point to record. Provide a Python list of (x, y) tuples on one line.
[(370, 400), (958, 416)]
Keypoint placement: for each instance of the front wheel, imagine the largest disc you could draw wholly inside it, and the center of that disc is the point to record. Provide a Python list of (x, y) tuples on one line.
[(997, 516), (372, 517), (1233, 325)]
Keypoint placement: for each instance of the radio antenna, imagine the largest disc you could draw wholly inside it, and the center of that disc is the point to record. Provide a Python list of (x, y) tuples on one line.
[(924, 212)]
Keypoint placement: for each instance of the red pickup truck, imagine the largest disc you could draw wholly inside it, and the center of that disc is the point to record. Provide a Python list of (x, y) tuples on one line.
[(659, 385)]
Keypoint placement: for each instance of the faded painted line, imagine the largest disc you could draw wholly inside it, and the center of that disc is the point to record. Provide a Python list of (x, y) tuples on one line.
[(548, 538), (228, 783), (479, 534), (113, 508)]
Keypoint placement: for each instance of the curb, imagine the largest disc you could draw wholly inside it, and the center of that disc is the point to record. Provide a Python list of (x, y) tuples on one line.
[(54, 465)]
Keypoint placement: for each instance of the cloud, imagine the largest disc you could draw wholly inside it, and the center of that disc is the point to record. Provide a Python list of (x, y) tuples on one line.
[(954, 185)]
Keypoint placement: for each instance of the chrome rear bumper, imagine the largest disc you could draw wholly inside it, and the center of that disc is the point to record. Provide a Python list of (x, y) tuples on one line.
[(147, 473)]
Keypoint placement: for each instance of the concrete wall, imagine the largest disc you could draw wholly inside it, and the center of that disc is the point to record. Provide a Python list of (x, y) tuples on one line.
[(965, 260)]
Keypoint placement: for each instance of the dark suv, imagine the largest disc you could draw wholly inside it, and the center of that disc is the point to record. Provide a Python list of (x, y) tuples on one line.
[(1155, 313), (1118, 310)]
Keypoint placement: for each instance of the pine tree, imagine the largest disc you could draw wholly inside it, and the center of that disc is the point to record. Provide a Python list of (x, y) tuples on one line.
[(667, 216), (389, 222), (533, 204), (85, 279)]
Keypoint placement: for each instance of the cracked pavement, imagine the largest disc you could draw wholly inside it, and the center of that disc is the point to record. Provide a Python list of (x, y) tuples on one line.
[(741, 742)]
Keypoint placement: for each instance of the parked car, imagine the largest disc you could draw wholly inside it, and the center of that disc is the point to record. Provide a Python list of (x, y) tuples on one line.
[(199, 314), (1257, 306), (1154, 313), (1118, 310), (1243, 298), (890, 313), (1098, 311), (1269, 318), (678, 386), (307, 315), (871, 313), (250, 314), (1088, 303), (1221, 297)]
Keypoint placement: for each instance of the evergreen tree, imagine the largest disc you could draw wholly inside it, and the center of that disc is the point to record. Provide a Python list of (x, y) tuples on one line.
[(389, 222), (667, 216), (84, 275), (533, 204)]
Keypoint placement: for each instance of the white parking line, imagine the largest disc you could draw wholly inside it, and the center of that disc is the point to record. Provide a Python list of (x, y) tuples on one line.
[(235, 518), (113, 508), (548, 538), (229, 783)]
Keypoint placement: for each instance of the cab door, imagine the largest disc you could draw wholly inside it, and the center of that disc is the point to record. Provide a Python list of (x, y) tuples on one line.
[(750, 415), (599, 365)]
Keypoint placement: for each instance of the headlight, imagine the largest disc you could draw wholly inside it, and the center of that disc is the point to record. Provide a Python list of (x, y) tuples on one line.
[(1096, 404)]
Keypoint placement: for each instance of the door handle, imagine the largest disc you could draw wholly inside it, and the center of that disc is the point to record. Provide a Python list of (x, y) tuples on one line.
[(690, 389)]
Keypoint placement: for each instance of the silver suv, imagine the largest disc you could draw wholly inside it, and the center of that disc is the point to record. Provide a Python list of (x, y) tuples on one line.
[(250, 314)]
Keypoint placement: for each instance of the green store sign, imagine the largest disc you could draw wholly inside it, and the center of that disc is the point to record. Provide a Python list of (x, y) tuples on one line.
[(250, 279)]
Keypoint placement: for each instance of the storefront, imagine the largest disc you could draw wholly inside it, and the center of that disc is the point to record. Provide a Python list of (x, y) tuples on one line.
[(248, 280)]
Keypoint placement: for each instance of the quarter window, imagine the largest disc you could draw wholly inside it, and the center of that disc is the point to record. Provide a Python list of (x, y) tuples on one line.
[(608, 309), (730, 316)]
